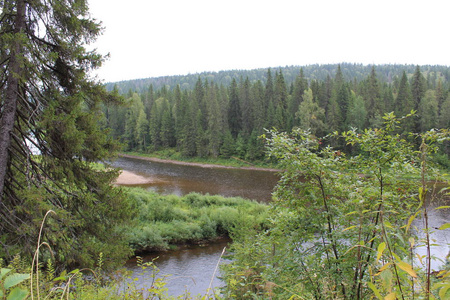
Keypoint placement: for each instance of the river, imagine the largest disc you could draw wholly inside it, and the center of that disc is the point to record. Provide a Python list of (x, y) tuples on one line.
[(192, 268), (167, 178)]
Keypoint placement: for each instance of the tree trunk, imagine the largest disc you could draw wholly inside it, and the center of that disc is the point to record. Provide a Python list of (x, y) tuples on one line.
[(9, 110)]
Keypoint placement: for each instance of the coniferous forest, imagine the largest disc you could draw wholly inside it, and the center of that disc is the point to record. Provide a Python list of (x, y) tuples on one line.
[(223, 114)]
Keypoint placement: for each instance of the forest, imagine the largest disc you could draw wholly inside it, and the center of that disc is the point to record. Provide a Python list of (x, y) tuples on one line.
[(342, 223), (223, 114)]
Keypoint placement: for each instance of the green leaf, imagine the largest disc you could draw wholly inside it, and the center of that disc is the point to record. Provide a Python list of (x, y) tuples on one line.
[(348, 228), (422, 194), (380, 250), (407, 268), (391, 296), (3, 272), (14, 279), (17, 294), (443, 291), (443, 207), (411, 219), (445, 226), (375, 290)]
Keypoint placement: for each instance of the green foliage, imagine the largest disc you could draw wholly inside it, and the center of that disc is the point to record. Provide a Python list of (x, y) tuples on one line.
[(166, 220), (10, 285), (340, 226)]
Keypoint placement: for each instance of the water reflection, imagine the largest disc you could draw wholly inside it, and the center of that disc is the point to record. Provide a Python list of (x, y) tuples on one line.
[(191, 269)]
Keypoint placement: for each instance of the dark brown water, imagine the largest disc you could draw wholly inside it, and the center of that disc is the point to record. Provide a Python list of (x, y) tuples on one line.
[(180, 180)]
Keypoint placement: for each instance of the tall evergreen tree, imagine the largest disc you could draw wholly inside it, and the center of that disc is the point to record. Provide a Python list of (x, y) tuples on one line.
[(179, 115), (246, 108), (372, 97), (403, 102), (300, 85), (167, 129), (155, 124), (49, 100), (234, 110), (258, 107), (418, 88), (213, 132), (269, 94)]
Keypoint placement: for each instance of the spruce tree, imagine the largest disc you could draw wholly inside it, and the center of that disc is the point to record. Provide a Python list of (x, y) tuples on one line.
[(373, 99), (418, 88), (49, 101), (234, 111)]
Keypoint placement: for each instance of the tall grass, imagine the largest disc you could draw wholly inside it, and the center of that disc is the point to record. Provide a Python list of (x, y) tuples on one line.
[(163, 221)]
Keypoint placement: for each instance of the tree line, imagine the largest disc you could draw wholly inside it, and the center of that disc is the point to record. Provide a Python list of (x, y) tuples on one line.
[(350, 71), (212, 120)]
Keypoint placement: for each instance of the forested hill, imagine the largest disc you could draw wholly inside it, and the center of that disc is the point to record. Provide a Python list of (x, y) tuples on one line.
[(358, 72), (209, 117)]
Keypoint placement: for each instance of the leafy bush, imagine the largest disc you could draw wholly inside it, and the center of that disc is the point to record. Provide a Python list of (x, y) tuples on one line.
[(341, 227)]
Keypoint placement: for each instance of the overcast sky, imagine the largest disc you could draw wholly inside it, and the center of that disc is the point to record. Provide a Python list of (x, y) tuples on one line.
[(149, 38)]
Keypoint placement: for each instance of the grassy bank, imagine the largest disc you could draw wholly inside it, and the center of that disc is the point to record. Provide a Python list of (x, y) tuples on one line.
[(162, 222)]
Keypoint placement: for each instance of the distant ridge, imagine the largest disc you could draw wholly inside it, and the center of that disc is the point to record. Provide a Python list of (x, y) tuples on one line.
[(351, 71)]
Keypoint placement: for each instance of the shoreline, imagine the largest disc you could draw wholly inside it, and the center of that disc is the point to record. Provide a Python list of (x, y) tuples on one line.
[(195, 164), (129, 178)]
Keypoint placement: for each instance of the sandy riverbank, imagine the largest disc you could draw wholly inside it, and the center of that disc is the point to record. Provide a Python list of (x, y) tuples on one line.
[(130, 178), (202, 165)]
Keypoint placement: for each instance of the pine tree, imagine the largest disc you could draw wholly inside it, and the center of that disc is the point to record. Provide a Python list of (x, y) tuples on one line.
[(155, 125), (269, 94), (167, 130), (179, 116), (418, 88), (246, 108), (213, 131), (234, 111), (280, 102), (373, 99), (258, 107), (48, 100)]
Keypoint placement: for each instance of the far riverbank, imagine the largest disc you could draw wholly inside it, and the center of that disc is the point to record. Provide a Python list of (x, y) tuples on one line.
[(197, 164)]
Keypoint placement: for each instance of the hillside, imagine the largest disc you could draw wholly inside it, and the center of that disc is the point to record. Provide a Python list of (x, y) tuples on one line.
[(358, 72)]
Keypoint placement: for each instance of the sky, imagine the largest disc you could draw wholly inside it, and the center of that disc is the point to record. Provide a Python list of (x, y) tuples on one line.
[(149, 38)]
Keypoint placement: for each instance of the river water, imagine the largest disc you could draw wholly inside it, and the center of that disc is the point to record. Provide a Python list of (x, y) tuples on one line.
[(167, 178), (192, 268)]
